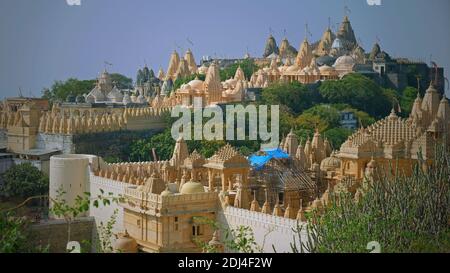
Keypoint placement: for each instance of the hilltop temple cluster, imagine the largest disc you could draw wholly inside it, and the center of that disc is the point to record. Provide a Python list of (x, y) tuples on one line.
[(32, 132), (333, 57), (169, 204)]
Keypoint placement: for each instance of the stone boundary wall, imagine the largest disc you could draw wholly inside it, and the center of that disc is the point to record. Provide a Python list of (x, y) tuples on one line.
[(63, 143), (104, 213), (54, 233), (268, 229), (102, 144)]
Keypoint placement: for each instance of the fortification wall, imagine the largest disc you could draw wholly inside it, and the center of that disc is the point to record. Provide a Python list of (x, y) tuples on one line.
[(60, 142), (102, 144), (268, 229)]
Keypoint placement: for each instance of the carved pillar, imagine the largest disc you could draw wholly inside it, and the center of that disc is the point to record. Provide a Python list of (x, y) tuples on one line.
[(224, 181), (211, 180), (194, 174)]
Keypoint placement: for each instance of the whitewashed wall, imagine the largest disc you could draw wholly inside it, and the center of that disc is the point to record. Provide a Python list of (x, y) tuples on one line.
[(268, 229), (104, 213), (63, 143)]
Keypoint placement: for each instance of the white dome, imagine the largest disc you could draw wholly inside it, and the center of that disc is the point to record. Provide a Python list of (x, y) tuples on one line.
[(292, 68), (344, 61), (196, 84), (185, 87), (326, 68), (330, 163)]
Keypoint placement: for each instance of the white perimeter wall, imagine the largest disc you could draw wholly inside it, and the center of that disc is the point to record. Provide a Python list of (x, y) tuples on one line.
[(268, 229), (104, 213)]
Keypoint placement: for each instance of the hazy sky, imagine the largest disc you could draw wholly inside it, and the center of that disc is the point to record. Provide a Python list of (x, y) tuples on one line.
[(46, 40)]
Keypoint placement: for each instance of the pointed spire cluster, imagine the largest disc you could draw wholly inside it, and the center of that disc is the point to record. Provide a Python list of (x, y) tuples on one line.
[(180, 153), (305, 55)]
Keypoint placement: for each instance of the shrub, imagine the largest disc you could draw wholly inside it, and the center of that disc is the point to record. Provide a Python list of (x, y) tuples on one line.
[(24, 180), (402, 214)]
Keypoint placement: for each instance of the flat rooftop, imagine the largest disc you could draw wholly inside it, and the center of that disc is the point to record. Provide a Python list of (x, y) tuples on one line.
[(39, 152)]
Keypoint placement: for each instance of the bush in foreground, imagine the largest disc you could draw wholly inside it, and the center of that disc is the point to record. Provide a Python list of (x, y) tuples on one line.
[(402, 214)]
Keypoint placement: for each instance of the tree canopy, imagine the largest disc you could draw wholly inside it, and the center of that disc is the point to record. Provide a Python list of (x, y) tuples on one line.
[(247, 65), (408, 97), (24, 180), (180, 81), (359, 92), (296, 96), (61, 89)]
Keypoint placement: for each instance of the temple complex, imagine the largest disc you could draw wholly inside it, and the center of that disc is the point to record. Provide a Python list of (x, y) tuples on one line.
[(178, 204), (396, 141), (333, 57), (169, 203)]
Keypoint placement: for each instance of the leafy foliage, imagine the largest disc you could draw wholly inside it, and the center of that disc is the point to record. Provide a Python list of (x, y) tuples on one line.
[(180, 81), (72, 86), (241, 240), (105, 234), (295, 96), (121, 81), (326, 113), (60, 208), (61, 89), (359, 92), (337, 136), (247, 65), (408, 97), (15, 235), (141, 150), (24, 180), (402, 214)]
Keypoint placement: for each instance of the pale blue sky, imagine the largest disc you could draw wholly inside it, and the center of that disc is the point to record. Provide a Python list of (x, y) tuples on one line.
[(47, 40)]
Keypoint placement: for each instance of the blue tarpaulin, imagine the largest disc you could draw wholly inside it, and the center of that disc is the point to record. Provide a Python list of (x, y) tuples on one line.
[(258, 161)]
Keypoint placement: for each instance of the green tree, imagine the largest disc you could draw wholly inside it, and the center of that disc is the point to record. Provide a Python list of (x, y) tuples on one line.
[(24, 180), (60, 90), (180, 81), (304, 134), (122, 82), (205, 147), (141, 150), (408, 97), (326, 113), (247, 65), (296, 96), (364, 119), (401, 213), (337, 136), (310, 121), (15, 235), (359, 92)]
